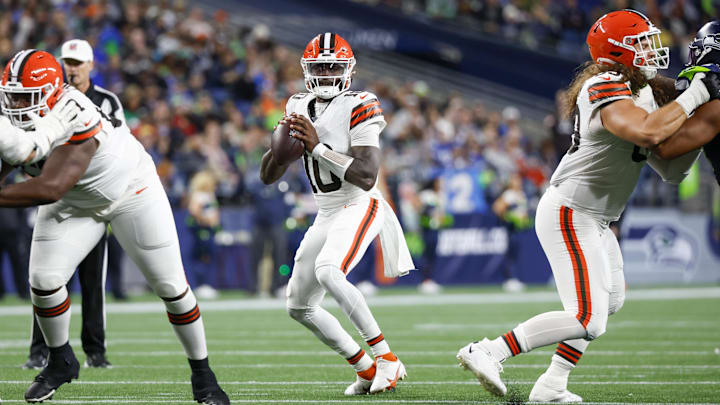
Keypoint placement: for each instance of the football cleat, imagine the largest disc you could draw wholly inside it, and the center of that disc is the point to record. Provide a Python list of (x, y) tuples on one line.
[(35, 362), (364, 380), (206, 389), (97, 360), (478, 359), (62, 368), (388, 373), (361, 386), (552, 389)]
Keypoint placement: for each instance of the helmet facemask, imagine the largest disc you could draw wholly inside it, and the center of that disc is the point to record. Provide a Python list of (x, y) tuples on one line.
[(327, 77), (649, 54), (705, 50), (17, 101)]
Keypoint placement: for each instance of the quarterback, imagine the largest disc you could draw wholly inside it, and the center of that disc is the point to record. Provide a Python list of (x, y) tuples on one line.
[(88, 174), (340, 130), (617, 121)]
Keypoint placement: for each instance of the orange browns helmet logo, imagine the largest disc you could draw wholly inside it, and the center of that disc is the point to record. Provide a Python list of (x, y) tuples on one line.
[(328, 44), (33, 69), (612, 39)]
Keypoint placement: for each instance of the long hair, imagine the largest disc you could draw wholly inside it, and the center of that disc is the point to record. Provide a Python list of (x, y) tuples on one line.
[(589, 69)]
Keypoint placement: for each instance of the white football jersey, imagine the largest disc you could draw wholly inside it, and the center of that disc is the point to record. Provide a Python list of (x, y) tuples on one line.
[(118, 160), (600, 170), (338, 127)]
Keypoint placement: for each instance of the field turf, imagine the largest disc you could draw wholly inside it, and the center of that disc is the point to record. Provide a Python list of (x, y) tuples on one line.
[(660, 348)]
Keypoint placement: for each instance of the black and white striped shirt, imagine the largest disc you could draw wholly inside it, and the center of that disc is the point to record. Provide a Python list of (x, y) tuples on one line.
[(108, 103)]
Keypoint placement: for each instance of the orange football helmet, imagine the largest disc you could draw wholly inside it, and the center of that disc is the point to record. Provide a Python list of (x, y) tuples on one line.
[(629, 38), (32, 82), (328, 63)]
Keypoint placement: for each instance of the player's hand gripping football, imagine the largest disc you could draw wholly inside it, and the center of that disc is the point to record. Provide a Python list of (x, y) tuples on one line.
[(304, 131)]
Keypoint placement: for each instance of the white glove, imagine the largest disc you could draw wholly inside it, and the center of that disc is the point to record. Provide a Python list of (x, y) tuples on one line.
[(695, 95), (59, 122), (15, 147)]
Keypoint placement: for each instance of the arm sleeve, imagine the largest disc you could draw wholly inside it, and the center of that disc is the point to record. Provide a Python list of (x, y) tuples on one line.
[(675, 170)]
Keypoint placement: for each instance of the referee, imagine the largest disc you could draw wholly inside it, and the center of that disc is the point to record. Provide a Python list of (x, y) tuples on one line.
[(77, 57)]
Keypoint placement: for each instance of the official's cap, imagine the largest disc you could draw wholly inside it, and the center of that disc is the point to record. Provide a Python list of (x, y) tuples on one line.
[(77, 49)]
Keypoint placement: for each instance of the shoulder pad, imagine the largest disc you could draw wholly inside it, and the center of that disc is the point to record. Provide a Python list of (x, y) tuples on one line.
[(365, 107), (293, 100), (605, 87), (299, 96)]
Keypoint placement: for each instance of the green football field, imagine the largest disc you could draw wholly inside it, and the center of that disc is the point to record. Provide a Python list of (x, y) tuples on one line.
[(661, 348)]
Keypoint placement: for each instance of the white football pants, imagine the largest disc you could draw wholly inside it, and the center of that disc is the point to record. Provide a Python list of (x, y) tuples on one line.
[(143, 223), (586, 262)]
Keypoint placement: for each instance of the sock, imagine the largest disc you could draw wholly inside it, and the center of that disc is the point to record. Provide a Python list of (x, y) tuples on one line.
[(327, 328), (184, 315), (199, 365), (548, 328), (360, 361), (352, 303), (504, 347), (378, 345), (52, 311), (538, 331), (567, 354), (369, 373)]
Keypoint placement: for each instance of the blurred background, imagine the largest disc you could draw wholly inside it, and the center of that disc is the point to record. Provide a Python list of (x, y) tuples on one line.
[(469, 89)]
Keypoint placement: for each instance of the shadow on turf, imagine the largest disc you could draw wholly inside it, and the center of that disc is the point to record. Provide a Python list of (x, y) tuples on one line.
[(514, 397)]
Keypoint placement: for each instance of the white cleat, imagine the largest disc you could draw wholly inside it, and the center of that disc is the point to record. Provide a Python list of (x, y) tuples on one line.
[(387, 375), (478, 359), (552, 389), (361, 386)]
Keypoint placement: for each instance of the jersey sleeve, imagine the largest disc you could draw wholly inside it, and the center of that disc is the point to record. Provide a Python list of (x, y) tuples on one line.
[(606, 88), (82, 135), (368, 135), (366, 111), (292, 102)]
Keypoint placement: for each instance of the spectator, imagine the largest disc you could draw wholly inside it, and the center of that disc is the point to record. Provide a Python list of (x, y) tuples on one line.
[(203, 221)]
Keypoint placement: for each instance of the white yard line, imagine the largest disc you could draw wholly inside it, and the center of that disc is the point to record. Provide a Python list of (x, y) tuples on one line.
[(680, 369), (160, 353), (316, 401), (657, 294), (322, 383)]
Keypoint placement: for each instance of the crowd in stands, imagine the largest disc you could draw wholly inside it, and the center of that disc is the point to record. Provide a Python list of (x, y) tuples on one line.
[(202, 95), (560, 25)]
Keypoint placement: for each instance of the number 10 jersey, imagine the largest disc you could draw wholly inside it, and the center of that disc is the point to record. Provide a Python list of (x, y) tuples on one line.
[(344, 122), (600, 170)]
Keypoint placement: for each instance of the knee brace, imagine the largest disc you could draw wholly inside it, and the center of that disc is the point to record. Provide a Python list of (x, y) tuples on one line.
[(297, 314)]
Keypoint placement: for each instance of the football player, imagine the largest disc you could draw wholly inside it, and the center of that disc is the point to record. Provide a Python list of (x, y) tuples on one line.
[(88, 174), (702, 129), (617, 119), (340, 130)]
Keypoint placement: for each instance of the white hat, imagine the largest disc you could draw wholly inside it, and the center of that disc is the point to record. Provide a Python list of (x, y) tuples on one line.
[(77, 49)]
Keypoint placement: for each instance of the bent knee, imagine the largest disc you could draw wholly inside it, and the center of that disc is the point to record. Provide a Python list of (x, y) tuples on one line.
[(46, 281), (298, 314), (595, 328), (169, 290), (328, 274)]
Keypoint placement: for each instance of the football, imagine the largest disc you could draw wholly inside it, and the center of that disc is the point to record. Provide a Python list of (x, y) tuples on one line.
[(285, 148)]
